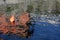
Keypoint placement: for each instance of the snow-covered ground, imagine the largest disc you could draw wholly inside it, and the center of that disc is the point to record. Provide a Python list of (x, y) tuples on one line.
[(53, 19)]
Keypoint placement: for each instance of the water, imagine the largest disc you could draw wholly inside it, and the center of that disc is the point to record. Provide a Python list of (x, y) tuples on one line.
[(45, 28)]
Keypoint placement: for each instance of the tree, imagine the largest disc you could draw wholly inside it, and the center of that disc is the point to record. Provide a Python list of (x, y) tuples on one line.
[(29, 8), (4, 0), (38, 9), (56, 11), (57, 7), (8, 9)]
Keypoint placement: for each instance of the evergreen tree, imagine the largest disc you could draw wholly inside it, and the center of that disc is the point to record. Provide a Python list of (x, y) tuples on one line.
[(29, 8)]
